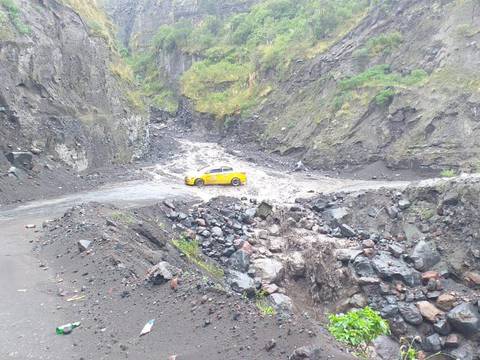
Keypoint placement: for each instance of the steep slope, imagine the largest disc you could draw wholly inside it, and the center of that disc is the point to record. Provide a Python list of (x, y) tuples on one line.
[(333, 82), (64, 91)]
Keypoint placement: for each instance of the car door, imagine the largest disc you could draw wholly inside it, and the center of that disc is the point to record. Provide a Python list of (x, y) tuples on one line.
[(226, 175), (213, 176)]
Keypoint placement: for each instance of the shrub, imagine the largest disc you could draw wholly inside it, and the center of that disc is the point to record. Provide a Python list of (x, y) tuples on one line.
[(358, 328), (384, 96), (262, 304), (13, 12), (448, 173)]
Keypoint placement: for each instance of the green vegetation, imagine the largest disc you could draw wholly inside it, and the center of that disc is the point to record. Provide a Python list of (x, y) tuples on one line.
[(13, 12), (240, 51), (408, 350), (380, 81), (122, 217), (448, 173), (191, 250), (95, 18), (358, 328), (262, 304), (379, 45)]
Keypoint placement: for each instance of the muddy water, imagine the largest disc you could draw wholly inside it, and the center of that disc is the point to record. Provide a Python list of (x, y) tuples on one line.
[(166, 181)]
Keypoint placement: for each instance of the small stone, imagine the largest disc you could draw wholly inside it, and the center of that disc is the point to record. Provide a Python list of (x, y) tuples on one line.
[(404, 204), (410, 313), (472, 278), (442, 327), (432, 343), (396, 250), (270, 345), (346, 230), (368, 243), (430, 275), (83, 245)]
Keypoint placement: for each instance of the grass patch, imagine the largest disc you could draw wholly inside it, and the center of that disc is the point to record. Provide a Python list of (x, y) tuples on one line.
[(448, 173), (262, 304), (122, 217), (191, 249), (378, 83), (95, 18), (13, 12), (383, 44)]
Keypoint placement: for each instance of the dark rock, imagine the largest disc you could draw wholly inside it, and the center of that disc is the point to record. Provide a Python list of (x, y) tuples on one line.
[(452, 341), (346, 230), (240, 261), (363, 267), (389, 311), (425, 255), (392, 268), (241, 283), (442, 327), (347, 254), (20, 159), (319, 205), (392, 212), (465, 319), (336, 215), (451, 198), (264, 210), (270, 345), (432, 343), (151, 233), (410, 313), (216, 231)]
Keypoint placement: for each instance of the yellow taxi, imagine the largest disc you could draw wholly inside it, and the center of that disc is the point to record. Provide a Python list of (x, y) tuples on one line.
[(216, 175)]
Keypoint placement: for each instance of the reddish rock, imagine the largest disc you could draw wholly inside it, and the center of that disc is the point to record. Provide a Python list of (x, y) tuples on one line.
[(430, 275), (247, 247), (368, 243), (369, 252), (429, 311), (472, 278), (446, 301)]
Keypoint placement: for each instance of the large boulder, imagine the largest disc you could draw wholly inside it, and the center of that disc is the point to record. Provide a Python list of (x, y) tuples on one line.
[(270, 270), (465, 319), (425, 255), (391, 268), (20, 159)]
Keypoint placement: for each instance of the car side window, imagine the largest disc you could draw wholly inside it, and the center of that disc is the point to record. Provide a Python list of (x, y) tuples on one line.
[(215, 171), (227, 169)]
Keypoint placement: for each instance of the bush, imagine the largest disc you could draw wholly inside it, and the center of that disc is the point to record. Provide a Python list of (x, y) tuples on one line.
[(448, 173), (358, 328)]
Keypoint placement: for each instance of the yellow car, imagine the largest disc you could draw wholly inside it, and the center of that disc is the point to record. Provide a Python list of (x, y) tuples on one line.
[(219, 175)]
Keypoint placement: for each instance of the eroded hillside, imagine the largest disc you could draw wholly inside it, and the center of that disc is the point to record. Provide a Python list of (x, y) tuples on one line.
[(334, 82)]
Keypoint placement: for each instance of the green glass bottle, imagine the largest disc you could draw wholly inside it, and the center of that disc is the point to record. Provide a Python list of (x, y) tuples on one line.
[(67, 329)]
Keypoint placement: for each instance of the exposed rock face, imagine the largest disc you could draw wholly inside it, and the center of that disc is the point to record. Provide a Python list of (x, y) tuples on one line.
[(419, 126), (58, 95), (138, 21)]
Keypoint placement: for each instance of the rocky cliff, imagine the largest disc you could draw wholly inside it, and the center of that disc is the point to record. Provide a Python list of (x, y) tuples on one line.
[(62, 95), (335, 83)]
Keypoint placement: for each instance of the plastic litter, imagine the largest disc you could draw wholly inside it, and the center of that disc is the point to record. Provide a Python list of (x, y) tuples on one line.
[(148, 327)]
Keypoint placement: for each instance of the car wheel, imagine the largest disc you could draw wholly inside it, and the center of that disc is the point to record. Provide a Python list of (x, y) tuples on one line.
[(199, 182), (236, 182)]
